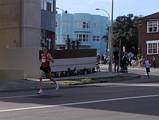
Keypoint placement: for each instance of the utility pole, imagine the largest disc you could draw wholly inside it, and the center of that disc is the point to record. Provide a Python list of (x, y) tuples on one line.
[(111, 40)]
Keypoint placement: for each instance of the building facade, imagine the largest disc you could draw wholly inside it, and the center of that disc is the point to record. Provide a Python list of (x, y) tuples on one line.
[(48, 23), (149, 37), (86, 28)]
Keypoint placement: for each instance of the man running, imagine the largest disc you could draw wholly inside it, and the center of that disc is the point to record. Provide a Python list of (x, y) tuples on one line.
[(45, 59)]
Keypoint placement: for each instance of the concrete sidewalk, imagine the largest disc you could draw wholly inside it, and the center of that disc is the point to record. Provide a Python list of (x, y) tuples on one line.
[(131, 77), (30, 84), (104, 67)]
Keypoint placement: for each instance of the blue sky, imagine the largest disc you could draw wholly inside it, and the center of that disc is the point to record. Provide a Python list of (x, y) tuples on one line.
[(121, 7)]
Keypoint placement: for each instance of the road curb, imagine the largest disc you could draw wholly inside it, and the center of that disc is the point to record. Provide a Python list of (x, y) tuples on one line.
[(48, 86)]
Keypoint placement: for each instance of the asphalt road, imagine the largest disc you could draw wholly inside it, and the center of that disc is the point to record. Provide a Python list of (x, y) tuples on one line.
[(106, 101)]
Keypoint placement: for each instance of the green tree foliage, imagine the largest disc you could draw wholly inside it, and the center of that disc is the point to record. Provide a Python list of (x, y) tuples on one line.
[(125, 30), (106, 37)]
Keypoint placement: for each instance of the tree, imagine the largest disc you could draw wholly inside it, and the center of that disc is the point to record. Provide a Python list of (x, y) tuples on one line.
[(106, 38), (125, 32)]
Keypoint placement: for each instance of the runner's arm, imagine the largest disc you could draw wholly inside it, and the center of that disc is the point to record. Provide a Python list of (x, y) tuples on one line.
[(51, 59)]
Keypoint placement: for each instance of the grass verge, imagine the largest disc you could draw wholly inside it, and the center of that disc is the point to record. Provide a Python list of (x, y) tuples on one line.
[(92, 80)]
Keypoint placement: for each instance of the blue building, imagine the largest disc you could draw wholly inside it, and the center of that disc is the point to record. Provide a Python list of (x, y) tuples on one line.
[(48, 23), (86, 28)]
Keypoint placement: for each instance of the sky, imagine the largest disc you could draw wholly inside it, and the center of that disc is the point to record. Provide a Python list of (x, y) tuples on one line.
[(121, 7)]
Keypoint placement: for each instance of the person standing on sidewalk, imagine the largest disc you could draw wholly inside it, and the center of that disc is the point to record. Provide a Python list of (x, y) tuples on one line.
[(116, 61), (45, 59), (147, 66), (98, 63), (154, 61)]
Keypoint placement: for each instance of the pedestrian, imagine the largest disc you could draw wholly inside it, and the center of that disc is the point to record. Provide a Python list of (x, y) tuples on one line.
[(147, 66), (116, 61), (141, 61), (124, 64), (98, 64), (154, 62), (45, 59)]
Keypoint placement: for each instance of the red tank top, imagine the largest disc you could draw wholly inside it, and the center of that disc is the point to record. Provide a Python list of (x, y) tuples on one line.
[(45, 60)]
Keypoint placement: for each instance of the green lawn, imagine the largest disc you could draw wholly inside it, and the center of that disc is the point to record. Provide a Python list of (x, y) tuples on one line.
[(92, 80)]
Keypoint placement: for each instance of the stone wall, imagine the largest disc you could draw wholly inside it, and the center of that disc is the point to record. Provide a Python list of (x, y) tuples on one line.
[(23, 62), (31, 23), (9, 23), (20, 22)]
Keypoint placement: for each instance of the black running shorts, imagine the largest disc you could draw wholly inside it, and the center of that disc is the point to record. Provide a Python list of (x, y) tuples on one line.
[(46, 69)]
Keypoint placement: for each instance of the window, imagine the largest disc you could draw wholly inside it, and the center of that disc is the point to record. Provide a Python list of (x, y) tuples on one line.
[(42, 4), (152, 26), (48, 5), (87, 37), (96, 38), (82, 37), (85, 25), (152, 47)]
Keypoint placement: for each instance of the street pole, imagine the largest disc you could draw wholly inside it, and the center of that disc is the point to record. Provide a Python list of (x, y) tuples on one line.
[(111, 40), (110, 36), (119, 62), (61, 20)]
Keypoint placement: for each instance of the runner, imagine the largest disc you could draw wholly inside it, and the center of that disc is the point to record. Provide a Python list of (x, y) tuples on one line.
[(45, 59), (147, 66)]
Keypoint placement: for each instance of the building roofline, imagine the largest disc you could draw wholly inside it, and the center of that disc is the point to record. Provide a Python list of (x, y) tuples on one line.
[(151, 15), (85, 14)]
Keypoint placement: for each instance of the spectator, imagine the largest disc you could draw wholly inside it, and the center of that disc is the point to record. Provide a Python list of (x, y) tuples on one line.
[(97, 64), (116, 61), (154, 62), (147, 66)]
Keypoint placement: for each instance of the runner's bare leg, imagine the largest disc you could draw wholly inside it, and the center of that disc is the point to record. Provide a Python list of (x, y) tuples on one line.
[(54, 81)]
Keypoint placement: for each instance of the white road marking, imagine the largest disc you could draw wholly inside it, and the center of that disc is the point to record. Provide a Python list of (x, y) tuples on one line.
[(137, 85), (77, 103), (128, 84)]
